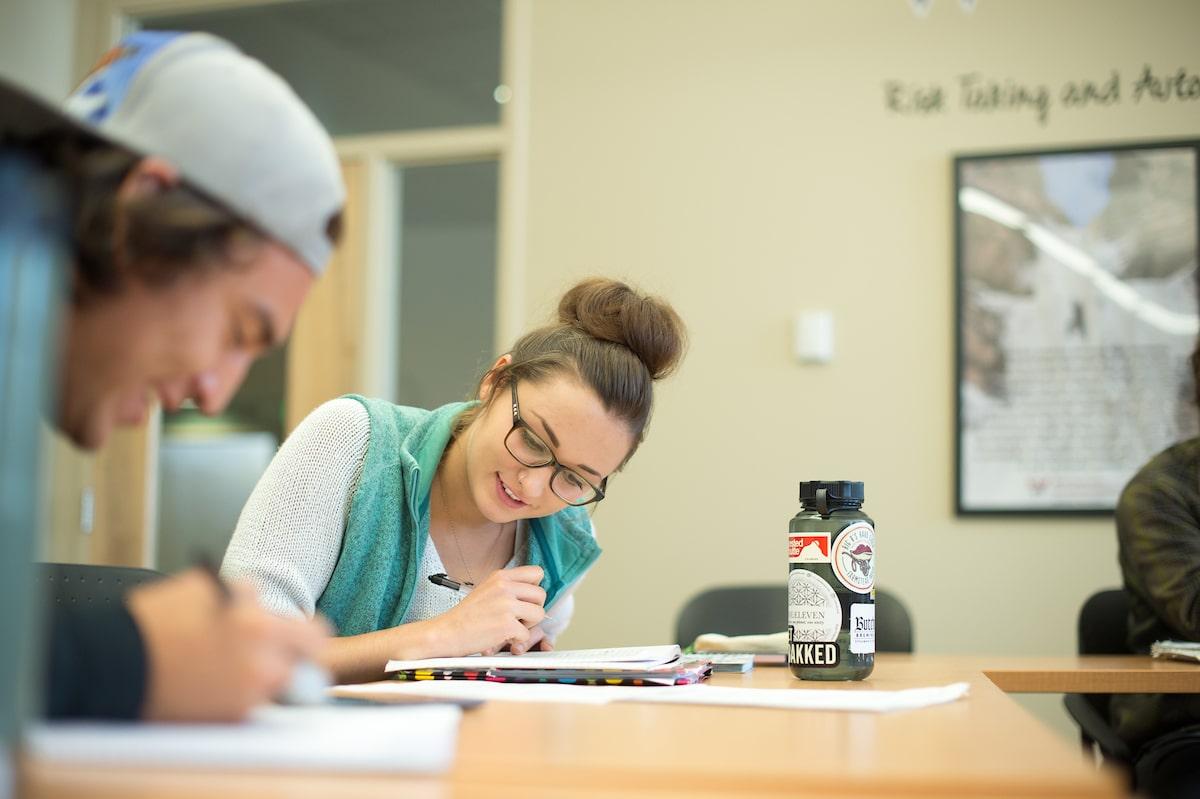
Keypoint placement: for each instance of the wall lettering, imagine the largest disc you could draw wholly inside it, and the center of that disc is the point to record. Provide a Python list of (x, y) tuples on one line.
[(977, 93)]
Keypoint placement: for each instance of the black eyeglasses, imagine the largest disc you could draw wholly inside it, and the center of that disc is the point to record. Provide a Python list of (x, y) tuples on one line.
[(529, 450)]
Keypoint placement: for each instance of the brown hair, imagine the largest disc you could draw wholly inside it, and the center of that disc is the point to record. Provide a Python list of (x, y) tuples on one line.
[(179, 231), (615, 340)]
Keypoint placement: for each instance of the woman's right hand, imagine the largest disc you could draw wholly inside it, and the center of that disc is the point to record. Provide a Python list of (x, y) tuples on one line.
[(500, 610)]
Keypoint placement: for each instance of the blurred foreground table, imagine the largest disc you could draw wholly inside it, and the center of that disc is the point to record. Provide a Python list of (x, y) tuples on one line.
[(984, 745)]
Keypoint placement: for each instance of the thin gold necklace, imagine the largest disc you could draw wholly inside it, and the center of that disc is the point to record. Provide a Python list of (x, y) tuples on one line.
[(487, 558)]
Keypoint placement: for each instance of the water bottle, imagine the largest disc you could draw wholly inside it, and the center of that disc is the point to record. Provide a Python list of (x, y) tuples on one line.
[(831, 583)]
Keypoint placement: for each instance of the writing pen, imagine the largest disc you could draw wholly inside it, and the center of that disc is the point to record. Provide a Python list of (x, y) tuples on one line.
[(224, 594), (446, 581), (308, 682)]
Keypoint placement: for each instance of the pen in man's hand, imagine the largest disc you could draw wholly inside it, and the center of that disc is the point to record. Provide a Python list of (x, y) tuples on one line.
[(308, 682), (206, 565)]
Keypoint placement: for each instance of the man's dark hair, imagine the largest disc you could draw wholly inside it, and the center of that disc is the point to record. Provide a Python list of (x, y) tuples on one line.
[(179, 231)]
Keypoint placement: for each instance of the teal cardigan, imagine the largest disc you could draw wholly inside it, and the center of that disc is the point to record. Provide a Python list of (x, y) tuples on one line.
[(388, 524)]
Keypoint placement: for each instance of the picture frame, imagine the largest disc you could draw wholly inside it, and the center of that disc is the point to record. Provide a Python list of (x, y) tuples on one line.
[(1075, 319)]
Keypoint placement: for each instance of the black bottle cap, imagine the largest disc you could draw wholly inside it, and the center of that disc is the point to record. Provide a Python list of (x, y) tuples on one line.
[(838, 493)]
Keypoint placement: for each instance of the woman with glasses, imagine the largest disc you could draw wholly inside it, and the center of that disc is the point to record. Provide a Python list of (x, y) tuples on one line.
[(466, 528)]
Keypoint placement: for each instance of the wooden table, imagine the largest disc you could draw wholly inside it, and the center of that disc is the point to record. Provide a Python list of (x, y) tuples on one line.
[(1092, 674), (985, 745)]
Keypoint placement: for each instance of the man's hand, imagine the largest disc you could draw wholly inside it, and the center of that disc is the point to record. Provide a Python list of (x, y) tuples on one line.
[(213, 659)]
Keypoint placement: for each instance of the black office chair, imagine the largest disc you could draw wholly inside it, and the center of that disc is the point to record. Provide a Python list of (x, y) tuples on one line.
[(1103, 622), (1163, 767), (759, 609), (70, 583)]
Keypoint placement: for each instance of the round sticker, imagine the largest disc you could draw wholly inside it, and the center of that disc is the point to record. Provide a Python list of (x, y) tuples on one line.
[(814, 612), (854, 557)]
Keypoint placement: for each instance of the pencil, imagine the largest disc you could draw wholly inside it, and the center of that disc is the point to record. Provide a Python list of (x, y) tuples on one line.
[(205, 564)]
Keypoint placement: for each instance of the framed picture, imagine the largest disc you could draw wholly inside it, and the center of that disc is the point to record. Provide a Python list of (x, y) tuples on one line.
[(1076, 315)]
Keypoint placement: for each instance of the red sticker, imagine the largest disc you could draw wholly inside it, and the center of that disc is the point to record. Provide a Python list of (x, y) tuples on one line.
[(808, 547)]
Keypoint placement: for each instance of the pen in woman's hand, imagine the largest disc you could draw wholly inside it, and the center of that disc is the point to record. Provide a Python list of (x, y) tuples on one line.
[(446, 581)]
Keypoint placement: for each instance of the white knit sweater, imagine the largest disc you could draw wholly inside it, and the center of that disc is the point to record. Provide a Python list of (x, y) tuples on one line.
[(289, 535)]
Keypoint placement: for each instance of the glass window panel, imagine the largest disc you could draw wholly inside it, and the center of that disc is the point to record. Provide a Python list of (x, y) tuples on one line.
[(447, 280), (366, 66), (209, 466)]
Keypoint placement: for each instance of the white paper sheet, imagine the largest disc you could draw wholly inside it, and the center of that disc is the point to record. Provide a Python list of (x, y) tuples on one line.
[(391, 738), (1176, 650), (804, 699), (784, 698), (612, 658)]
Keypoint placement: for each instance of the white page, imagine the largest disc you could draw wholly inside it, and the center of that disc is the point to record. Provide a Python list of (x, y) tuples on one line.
[(621, 657), (1178, 650), (783, 698), (385, 738), (802, 698)]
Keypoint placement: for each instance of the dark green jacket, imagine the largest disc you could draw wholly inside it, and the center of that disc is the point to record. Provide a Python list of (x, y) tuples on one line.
[(1158, 530)]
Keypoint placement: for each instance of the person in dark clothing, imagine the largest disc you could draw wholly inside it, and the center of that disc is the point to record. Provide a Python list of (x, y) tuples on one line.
[(1158, 534), (205, 200)]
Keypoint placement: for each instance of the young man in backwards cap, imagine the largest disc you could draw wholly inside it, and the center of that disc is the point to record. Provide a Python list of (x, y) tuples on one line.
[(205, 199)]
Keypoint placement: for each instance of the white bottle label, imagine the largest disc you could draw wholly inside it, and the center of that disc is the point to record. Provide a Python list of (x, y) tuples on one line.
[(862, 629), (814, 612), (854, 557)]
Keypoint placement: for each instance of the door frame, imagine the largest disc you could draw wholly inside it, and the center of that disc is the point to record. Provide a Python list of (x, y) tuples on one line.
[(330, 352)]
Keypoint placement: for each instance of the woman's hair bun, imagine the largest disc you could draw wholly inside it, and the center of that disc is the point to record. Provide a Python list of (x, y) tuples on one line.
[(610, 310)]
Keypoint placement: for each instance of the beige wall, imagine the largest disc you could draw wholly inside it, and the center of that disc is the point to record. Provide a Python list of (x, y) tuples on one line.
[(36, 41), (737, 157)]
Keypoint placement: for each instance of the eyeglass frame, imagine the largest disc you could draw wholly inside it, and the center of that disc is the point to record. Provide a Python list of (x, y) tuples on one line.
[(518, 422)]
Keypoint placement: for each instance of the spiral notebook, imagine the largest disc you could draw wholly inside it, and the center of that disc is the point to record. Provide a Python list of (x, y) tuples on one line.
[(651, 665)]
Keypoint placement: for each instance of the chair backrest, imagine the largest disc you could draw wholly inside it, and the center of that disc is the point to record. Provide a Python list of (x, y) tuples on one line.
[(758, 609), (1102, 628), (71, 583), (733, 610), (1104, 624), (893, 623)]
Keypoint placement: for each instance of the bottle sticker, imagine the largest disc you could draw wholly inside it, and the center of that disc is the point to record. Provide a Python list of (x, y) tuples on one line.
[(854, 557), (816, 654), (862, 629), (808, 547), (814, 612)]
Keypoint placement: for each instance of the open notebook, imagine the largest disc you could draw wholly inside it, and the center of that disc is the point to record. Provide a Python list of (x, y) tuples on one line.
[(631, 665)]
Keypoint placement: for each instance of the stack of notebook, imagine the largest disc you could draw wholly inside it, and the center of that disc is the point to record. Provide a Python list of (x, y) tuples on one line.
[(632, 665), (1176, 650)]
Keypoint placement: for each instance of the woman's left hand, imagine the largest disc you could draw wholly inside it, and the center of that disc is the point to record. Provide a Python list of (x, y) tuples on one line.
[(537, 641)]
